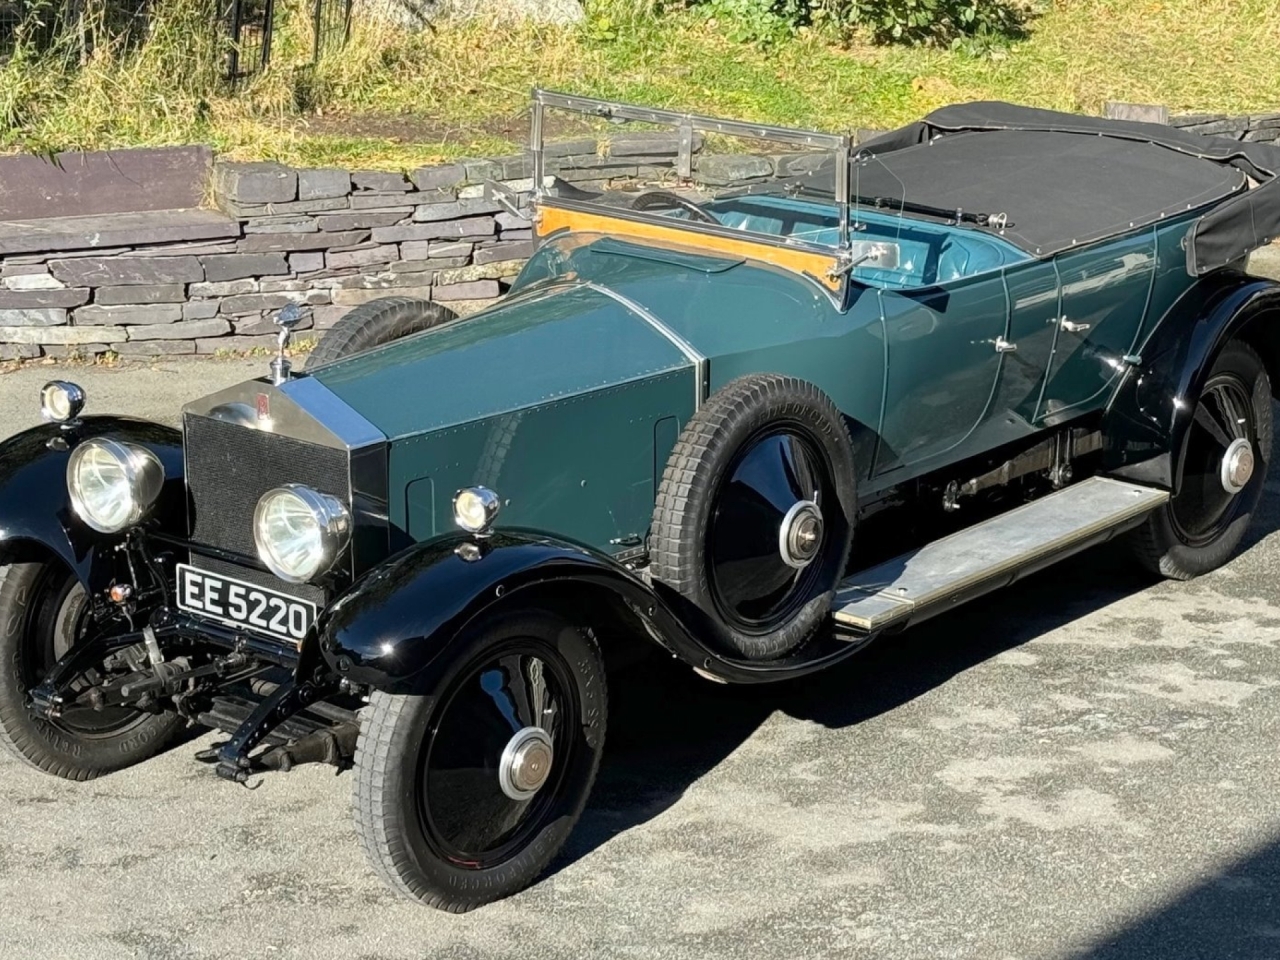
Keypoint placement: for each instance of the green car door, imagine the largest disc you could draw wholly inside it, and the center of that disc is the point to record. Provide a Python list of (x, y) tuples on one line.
[(944, 347), (1105, 293)]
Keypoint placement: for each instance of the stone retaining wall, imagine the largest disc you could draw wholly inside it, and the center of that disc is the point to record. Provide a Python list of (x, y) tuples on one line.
[(326, 238), (329, 239), (1251, 127), (201, 281)]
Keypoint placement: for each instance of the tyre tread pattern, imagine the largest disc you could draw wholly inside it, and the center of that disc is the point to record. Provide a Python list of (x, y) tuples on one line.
[(387, 729), (374, 323), (677, 558)]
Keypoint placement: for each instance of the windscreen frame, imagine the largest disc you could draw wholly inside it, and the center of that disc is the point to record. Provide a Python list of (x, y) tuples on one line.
[(688, 124)]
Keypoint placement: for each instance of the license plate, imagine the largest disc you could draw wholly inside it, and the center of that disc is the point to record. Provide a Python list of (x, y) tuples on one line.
[(241, 604)]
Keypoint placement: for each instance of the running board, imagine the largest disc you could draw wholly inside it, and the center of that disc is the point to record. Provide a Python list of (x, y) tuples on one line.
[(990, 555)]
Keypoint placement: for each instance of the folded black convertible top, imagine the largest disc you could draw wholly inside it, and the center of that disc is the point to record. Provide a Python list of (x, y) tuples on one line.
[(1063, 180)]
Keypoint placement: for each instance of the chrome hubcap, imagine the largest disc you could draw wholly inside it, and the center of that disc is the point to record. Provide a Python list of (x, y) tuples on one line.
[(1237, 466), (800, 536), (526, 763)]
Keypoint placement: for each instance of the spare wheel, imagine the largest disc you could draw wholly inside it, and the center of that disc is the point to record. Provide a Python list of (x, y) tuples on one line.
[(755, 513)]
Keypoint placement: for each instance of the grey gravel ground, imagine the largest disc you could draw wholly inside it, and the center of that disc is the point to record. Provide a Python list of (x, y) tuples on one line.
[(1081, 766)]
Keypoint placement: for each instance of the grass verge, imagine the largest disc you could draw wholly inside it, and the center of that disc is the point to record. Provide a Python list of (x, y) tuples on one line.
[(394, 100)]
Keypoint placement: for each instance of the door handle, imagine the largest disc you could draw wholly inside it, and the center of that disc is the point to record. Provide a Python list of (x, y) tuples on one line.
[(1004, 346), (1072, 326)]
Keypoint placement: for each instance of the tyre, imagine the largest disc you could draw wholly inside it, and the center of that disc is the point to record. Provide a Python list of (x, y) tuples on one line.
[(1221, 467), (465, 793), (44, 612), (755, 513), (375, 323)]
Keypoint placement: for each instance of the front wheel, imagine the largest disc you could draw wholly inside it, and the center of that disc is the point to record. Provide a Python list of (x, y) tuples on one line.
[(1221, 469), (463, 794), (44, 612)]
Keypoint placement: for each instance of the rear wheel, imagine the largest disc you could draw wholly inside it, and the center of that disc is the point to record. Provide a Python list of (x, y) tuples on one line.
[(44, 612), (465, 793), (1221, 469), (375, 323)]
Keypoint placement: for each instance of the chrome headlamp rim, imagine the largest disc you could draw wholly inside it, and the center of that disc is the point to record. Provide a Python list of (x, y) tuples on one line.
[(488, 502), (144, 478), (75, 400), (332, 520)]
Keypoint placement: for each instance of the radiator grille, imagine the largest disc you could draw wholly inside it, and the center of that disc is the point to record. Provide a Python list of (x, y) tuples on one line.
[(230, 467)]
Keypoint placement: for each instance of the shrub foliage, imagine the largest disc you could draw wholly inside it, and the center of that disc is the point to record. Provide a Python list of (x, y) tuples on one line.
[(935, 22)]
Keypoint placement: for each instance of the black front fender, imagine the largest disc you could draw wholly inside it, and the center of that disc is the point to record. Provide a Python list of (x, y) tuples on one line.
[(1148, 417), (35, 508), (393, 628)]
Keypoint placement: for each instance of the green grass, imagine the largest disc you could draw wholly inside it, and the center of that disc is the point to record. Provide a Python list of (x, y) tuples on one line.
[(395, 100)]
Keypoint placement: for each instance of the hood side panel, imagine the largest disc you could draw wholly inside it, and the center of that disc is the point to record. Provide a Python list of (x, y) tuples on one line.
[(527, 351), (718, 309), (585, 467)]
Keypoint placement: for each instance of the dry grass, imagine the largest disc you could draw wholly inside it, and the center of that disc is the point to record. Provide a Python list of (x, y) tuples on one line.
[(393, 99)]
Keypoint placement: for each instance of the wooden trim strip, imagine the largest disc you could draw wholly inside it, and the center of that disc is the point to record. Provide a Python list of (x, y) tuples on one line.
[(815, 265)]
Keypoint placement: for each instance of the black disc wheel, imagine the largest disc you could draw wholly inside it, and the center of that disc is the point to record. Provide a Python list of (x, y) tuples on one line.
[(465, 793), (44, 613), (754, 517), (375, 323), (1221, 467)]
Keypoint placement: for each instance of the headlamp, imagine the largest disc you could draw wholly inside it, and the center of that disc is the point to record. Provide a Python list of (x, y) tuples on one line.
[(299, 531), (113, 483), (475, 508)]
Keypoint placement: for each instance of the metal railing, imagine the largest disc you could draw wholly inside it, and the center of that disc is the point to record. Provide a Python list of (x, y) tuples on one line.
[(247, 26), (39, 23)]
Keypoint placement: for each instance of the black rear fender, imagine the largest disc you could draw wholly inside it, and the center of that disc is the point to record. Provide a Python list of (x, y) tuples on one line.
[(1147, 418), (36, 519)]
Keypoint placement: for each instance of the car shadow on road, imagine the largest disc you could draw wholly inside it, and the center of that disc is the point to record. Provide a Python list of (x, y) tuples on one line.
[(668, 727)]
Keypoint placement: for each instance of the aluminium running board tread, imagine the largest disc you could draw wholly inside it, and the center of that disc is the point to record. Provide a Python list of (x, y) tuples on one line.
[(991, 554)]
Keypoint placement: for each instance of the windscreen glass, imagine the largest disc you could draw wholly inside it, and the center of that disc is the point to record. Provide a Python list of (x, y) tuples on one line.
[(723, 176), (884, 250), (900, 242)]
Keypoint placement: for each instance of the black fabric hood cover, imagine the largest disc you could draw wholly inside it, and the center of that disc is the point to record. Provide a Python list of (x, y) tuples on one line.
[(1064, 180)]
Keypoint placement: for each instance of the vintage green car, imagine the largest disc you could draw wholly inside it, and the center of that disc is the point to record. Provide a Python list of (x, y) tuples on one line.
[(759, 397)]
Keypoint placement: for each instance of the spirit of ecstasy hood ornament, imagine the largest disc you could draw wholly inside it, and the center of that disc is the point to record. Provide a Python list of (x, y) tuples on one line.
[(289, 317)]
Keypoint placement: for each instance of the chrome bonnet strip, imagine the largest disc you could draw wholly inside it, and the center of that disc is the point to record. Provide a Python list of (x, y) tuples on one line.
[(691, 353), (323, 404)]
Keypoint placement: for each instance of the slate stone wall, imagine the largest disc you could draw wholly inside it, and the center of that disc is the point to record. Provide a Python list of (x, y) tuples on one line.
[(326, 238), (329, 239), (1251, 127), (145, 283)]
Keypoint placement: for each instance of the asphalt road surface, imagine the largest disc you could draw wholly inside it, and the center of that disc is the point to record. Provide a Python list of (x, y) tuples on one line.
[(1083, 765)]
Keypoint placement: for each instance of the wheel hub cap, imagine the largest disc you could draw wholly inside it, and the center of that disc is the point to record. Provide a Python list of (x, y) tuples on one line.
[(1237, 466), (800, 536), (526, 763)]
